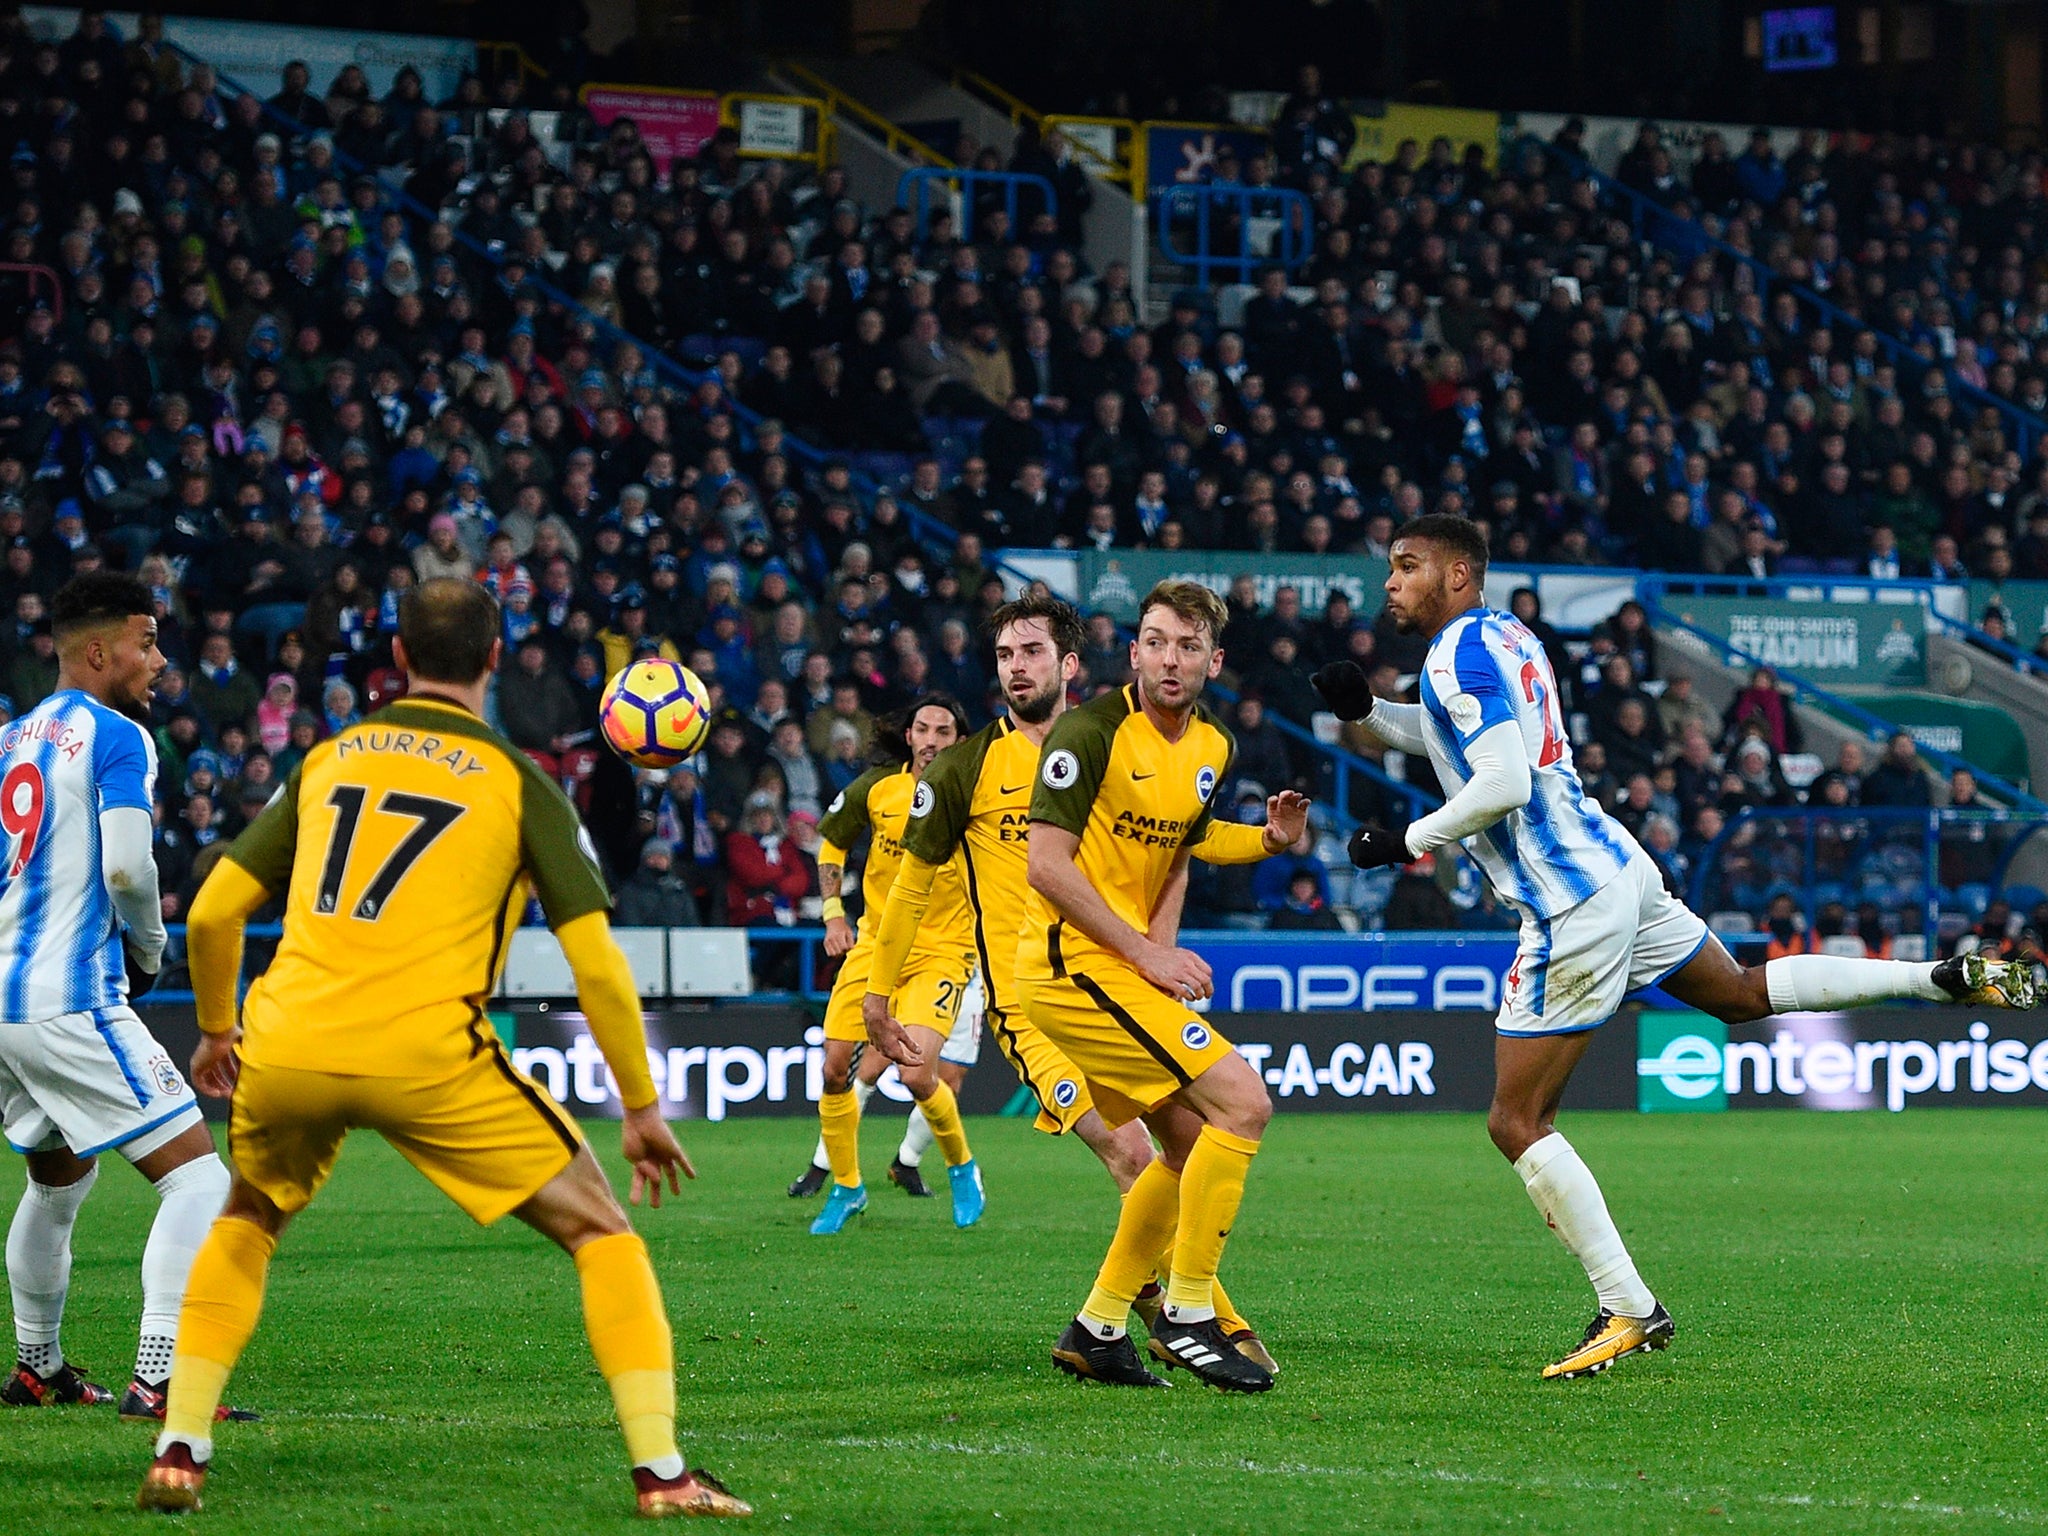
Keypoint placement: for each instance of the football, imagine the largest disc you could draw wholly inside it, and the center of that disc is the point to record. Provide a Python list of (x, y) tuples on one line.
[(655, 713)]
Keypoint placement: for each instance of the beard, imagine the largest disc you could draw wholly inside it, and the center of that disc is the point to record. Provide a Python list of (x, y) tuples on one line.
[(1038, 709), (135, 709)]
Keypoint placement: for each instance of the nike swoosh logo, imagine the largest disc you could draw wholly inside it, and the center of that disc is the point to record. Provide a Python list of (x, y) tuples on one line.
[(1152, 775), (1016, 791)]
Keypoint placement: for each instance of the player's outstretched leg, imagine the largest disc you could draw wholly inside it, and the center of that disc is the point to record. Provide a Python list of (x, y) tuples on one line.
[(39, 1276), (1529, 1078), (934, 1096), (839, 1126), (1713, 983), (223, 1300)]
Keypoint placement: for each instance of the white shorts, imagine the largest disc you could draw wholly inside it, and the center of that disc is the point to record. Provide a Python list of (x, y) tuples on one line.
[(90, 1082), (963, 1044), (1572, 971)]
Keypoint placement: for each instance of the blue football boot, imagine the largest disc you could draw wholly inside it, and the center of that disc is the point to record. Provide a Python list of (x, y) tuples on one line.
[(841, 1206)]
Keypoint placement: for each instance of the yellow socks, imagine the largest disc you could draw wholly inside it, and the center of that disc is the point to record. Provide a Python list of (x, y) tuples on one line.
[(942, 1114), (839, 1124), (1211, 1187), (1144, 1227), (223, 1299), (629, 1335), (1226, 1310)]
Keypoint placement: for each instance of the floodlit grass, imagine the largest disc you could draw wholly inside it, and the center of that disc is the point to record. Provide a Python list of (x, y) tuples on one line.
[(1859, 1302)]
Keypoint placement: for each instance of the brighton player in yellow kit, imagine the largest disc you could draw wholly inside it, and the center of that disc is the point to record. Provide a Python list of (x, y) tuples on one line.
[(1124, 790), (980, 813), (404, 848), (930, 985)]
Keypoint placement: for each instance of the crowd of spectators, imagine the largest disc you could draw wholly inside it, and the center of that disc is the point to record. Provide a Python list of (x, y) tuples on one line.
[(306, 351)]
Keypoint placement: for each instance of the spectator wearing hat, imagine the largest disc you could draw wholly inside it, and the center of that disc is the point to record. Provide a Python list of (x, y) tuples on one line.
[(627, 637), (274, 711)]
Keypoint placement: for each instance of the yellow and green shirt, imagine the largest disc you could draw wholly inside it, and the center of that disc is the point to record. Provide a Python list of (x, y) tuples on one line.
[(405, 847), (1134, 799), (879, 803)]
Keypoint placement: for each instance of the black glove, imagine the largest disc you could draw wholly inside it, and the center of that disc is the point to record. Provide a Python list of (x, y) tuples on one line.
[(1372, 847), (1344, 688), (139, 980)]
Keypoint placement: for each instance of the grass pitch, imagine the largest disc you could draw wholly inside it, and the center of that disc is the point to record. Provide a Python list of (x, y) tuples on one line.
[(1859, 1302)]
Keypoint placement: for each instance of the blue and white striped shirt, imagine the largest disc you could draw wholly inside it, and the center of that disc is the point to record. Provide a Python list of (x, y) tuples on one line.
[(1546, 857), (61, 764)]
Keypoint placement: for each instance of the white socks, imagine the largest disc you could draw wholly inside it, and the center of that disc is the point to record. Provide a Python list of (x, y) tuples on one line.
[(917, 1137), (1818, 983), (1568, 1198), (39, 1267), (862, 1092), (192, 1195)]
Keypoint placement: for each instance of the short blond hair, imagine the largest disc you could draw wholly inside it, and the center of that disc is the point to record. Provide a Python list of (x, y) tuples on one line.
[(1191, 601)]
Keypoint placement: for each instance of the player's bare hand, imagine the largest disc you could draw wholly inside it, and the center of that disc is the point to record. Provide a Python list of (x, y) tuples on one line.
[(215, 1066), (886, 1035), (1286, 820), (651, 1147), (1181, 974), (838, 936)]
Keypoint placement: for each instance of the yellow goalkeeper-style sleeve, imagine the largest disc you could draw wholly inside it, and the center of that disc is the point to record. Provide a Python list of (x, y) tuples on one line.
[(901, 919), (1232, 842), (213, 941), (611, 1002)]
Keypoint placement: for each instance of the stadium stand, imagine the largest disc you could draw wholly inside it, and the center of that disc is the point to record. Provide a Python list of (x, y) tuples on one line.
[(285, 355)]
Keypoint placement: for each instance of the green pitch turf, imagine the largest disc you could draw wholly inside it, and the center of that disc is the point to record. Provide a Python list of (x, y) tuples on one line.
[(1860, 1305)]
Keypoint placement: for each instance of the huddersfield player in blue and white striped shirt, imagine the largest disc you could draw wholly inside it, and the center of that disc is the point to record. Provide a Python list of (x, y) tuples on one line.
[(81, 928), (1597, 922)]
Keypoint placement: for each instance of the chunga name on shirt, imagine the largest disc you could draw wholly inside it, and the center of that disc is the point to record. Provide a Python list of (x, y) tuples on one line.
[(69, 738)]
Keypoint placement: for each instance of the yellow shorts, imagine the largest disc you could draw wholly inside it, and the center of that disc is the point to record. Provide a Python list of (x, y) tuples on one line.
[(1057, 1084), (1135, 1046), (928, 992), (486, 1134)]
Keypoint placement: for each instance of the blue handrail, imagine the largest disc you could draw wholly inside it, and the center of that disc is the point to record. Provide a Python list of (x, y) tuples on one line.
[(1688, 237), (1295, 244), (914, 191), (1878, 728)]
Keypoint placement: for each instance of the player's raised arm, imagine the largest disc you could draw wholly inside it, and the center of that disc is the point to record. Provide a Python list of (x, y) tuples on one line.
[(1231, 842), (1343, 687), (845, 821)]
